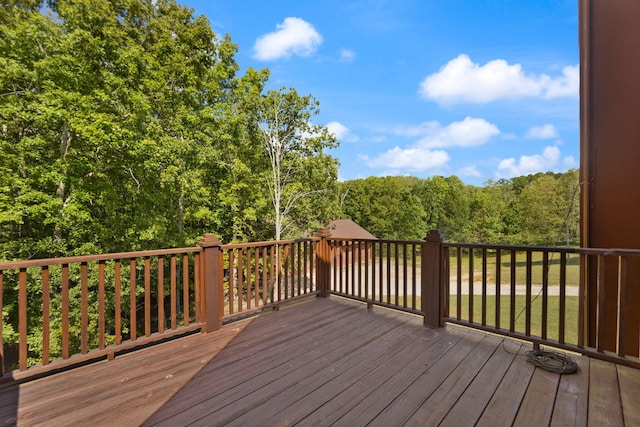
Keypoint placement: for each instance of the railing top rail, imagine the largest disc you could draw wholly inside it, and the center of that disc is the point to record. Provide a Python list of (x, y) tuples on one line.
[(12, 265), (571, 250), (267, 243)]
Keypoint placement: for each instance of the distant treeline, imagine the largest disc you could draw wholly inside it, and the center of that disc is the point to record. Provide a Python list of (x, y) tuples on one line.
[(540, 209)]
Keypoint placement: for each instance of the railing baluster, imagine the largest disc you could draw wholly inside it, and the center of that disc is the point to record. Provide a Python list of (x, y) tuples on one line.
[(84, 285), (545, 293), (512, 302), (601, 300), (367, 256), (292, 271), (622, 304), (240, 270), (582, 301), (306, 277), (484, 287), (186, 312), (498, 286), (414, 283), (256, 280), (2, 355), (198, 292), (288, 250), (388, 272), (22, 319), (249, 277), (358, 262), (101, 306), (232, 281), (459, 283), (471, 284), (133, 326), (65, 311), (351, 282), (45, 315), (381, 272), (264, 275), (396, 272), (299, 267), (272, 270), (527, 325), (160, 296), (147, 296), (117, 283), (563, 297), (404, 275), (280, 252), (445, 279), (174, 289)]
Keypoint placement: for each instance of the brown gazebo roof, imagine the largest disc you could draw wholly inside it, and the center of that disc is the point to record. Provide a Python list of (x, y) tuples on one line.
[(347, 229)]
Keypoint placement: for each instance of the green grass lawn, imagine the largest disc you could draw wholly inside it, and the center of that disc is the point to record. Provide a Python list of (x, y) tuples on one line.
[(553, 316), (572, 272)]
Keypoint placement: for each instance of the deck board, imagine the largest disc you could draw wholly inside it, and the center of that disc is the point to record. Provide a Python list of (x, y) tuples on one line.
[(539, 399), (629, 390), (572, 401), (475, 398), (328, 361), (605, 406)]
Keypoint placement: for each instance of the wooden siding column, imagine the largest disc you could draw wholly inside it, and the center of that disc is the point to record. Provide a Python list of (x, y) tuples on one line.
[(609, 155), (323, 264), (212, 297), (431, 289)]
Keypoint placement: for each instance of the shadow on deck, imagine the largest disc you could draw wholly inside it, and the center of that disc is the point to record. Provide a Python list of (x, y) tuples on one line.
[(328, 361)]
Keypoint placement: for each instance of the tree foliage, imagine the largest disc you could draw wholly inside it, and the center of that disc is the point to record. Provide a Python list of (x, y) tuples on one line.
[(540, 209), (125, 125)]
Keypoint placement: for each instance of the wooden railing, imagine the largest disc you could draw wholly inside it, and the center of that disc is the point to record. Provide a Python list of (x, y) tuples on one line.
[(85, 307), (389, 273), (542, 295), (264, 274), (538, 294), (70, 310), (381, 272)]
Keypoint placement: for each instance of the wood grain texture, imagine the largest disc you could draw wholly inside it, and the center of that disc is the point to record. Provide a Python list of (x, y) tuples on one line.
[(328, 361)]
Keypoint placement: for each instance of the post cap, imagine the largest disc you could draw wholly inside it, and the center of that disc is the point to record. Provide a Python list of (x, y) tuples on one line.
[(435, 236), (323, 232), (209, 240)]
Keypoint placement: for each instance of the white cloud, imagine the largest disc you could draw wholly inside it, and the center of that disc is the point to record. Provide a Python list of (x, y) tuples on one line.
[(338, 129), (542, 132), (347, 55), (341, 132), (549, 160), (462, 80), (466, 133), (567, 85), (413, 159), (293, 37), (470, 171)]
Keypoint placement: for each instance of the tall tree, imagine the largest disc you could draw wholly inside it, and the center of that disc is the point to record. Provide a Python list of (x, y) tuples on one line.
[(294, 147)]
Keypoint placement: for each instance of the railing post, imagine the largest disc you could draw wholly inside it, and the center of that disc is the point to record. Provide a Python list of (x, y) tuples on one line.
[(431, 287), (211, 276), (323, 265)]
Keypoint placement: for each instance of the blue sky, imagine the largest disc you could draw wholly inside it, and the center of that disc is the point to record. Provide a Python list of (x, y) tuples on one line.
[(479, 89)]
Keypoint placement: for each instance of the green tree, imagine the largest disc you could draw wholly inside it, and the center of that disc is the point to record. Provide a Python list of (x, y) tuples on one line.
[(298, 168), (387, 207)]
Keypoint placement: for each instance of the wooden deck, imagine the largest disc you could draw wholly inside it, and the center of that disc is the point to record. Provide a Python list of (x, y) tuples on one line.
[(328, 361)]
